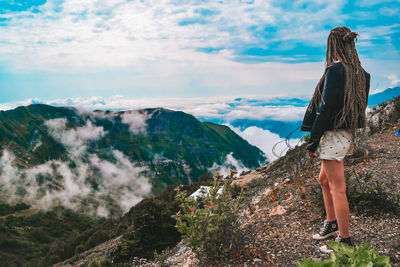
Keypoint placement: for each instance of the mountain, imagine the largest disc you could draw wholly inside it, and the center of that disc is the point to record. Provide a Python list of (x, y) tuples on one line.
[(381, 97), (110, 160), (68, 177)]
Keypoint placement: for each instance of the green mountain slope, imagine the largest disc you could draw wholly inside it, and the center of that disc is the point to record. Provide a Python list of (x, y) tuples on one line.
[(63, 169), (175, 138), (30, 237), (104, 162)]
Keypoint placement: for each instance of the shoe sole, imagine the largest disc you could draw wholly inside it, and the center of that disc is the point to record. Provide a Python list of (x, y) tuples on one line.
[(325, 249), (318, 237)]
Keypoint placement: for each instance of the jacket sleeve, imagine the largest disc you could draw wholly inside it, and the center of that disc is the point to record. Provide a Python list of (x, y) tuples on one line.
[(330, 94)]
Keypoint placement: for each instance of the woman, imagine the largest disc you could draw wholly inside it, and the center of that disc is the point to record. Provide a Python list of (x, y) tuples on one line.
[(336, 110)]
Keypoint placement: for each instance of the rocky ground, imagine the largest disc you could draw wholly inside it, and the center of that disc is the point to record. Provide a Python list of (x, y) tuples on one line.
[(87, 256), (282, 208)]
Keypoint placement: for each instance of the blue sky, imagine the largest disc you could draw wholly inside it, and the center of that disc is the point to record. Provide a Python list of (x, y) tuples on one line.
[(223, 61), (60, 49)]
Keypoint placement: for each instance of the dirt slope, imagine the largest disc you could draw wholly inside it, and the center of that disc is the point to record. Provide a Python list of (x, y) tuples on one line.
[(282, 210)]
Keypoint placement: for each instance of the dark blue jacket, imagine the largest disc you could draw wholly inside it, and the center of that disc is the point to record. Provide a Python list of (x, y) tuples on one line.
[(332, 92)]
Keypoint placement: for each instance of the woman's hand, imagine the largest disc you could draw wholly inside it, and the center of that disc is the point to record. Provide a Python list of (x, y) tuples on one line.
[(312, 154)]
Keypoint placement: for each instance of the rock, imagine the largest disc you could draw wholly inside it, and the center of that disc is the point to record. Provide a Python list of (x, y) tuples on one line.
[(278, 210), (245, 172)]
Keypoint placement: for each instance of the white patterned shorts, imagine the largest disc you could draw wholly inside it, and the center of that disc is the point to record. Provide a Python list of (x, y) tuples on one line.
[(335, 144)]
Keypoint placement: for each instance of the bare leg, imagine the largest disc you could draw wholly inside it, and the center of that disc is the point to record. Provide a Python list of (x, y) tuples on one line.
[(335, 172), (326, 192)]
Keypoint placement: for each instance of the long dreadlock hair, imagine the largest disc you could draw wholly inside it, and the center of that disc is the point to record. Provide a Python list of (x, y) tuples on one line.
[(341, 45)]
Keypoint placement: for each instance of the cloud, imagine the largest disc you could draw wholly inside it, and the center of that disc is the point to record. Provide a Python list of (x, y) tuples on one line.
[(221, 109), (281, 113), (132, 33), (122, 178), (85, 182), (184, 48), (376, 91), (136, 121), (391, 80), (386, 11), (75, 138), (369, 3), (230, 163), (36, 189), (270, 143), (394, 80)]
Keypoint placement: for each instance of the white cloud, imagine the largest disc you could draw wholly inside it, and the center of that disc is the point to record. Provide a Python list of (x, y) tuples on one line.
[(75, 138), (386, 11), (369, 3), (281, 113), (66, 193), (145, 38), (270, 143), (119, 179), (377, 32), (12, 105), (122, 178), (376, 91), (143, 42), (136, 121), (379, 71), (230, 163), (394, 80), (226, 108)]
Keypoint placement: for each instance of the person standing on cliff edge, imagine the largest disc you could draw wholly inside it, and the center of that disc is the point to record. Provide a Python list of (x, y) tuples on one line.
[(336, 111)]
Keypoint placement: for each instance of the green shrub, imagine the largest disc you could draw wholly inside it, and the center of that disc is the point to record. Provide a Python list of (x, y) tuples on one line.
[(153, 230), (94, 263), (307, 138), (54, 259), (365, 195), (368, 195), (6, 209), (210, 226), (97, 238), (343, 255), (9, 245), (79, 249), (106, 263), (205, 178), (39, 235)]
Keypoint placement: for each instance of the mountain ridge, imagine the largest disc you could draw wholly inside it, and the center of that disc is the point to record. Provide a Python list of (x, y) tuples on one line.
[(378, 98), (156, 146)]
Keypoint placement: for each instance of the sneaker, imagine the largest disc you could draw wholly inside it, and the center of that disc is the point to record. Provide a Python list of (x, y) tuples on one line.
[(347, 240), (329, 229)]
